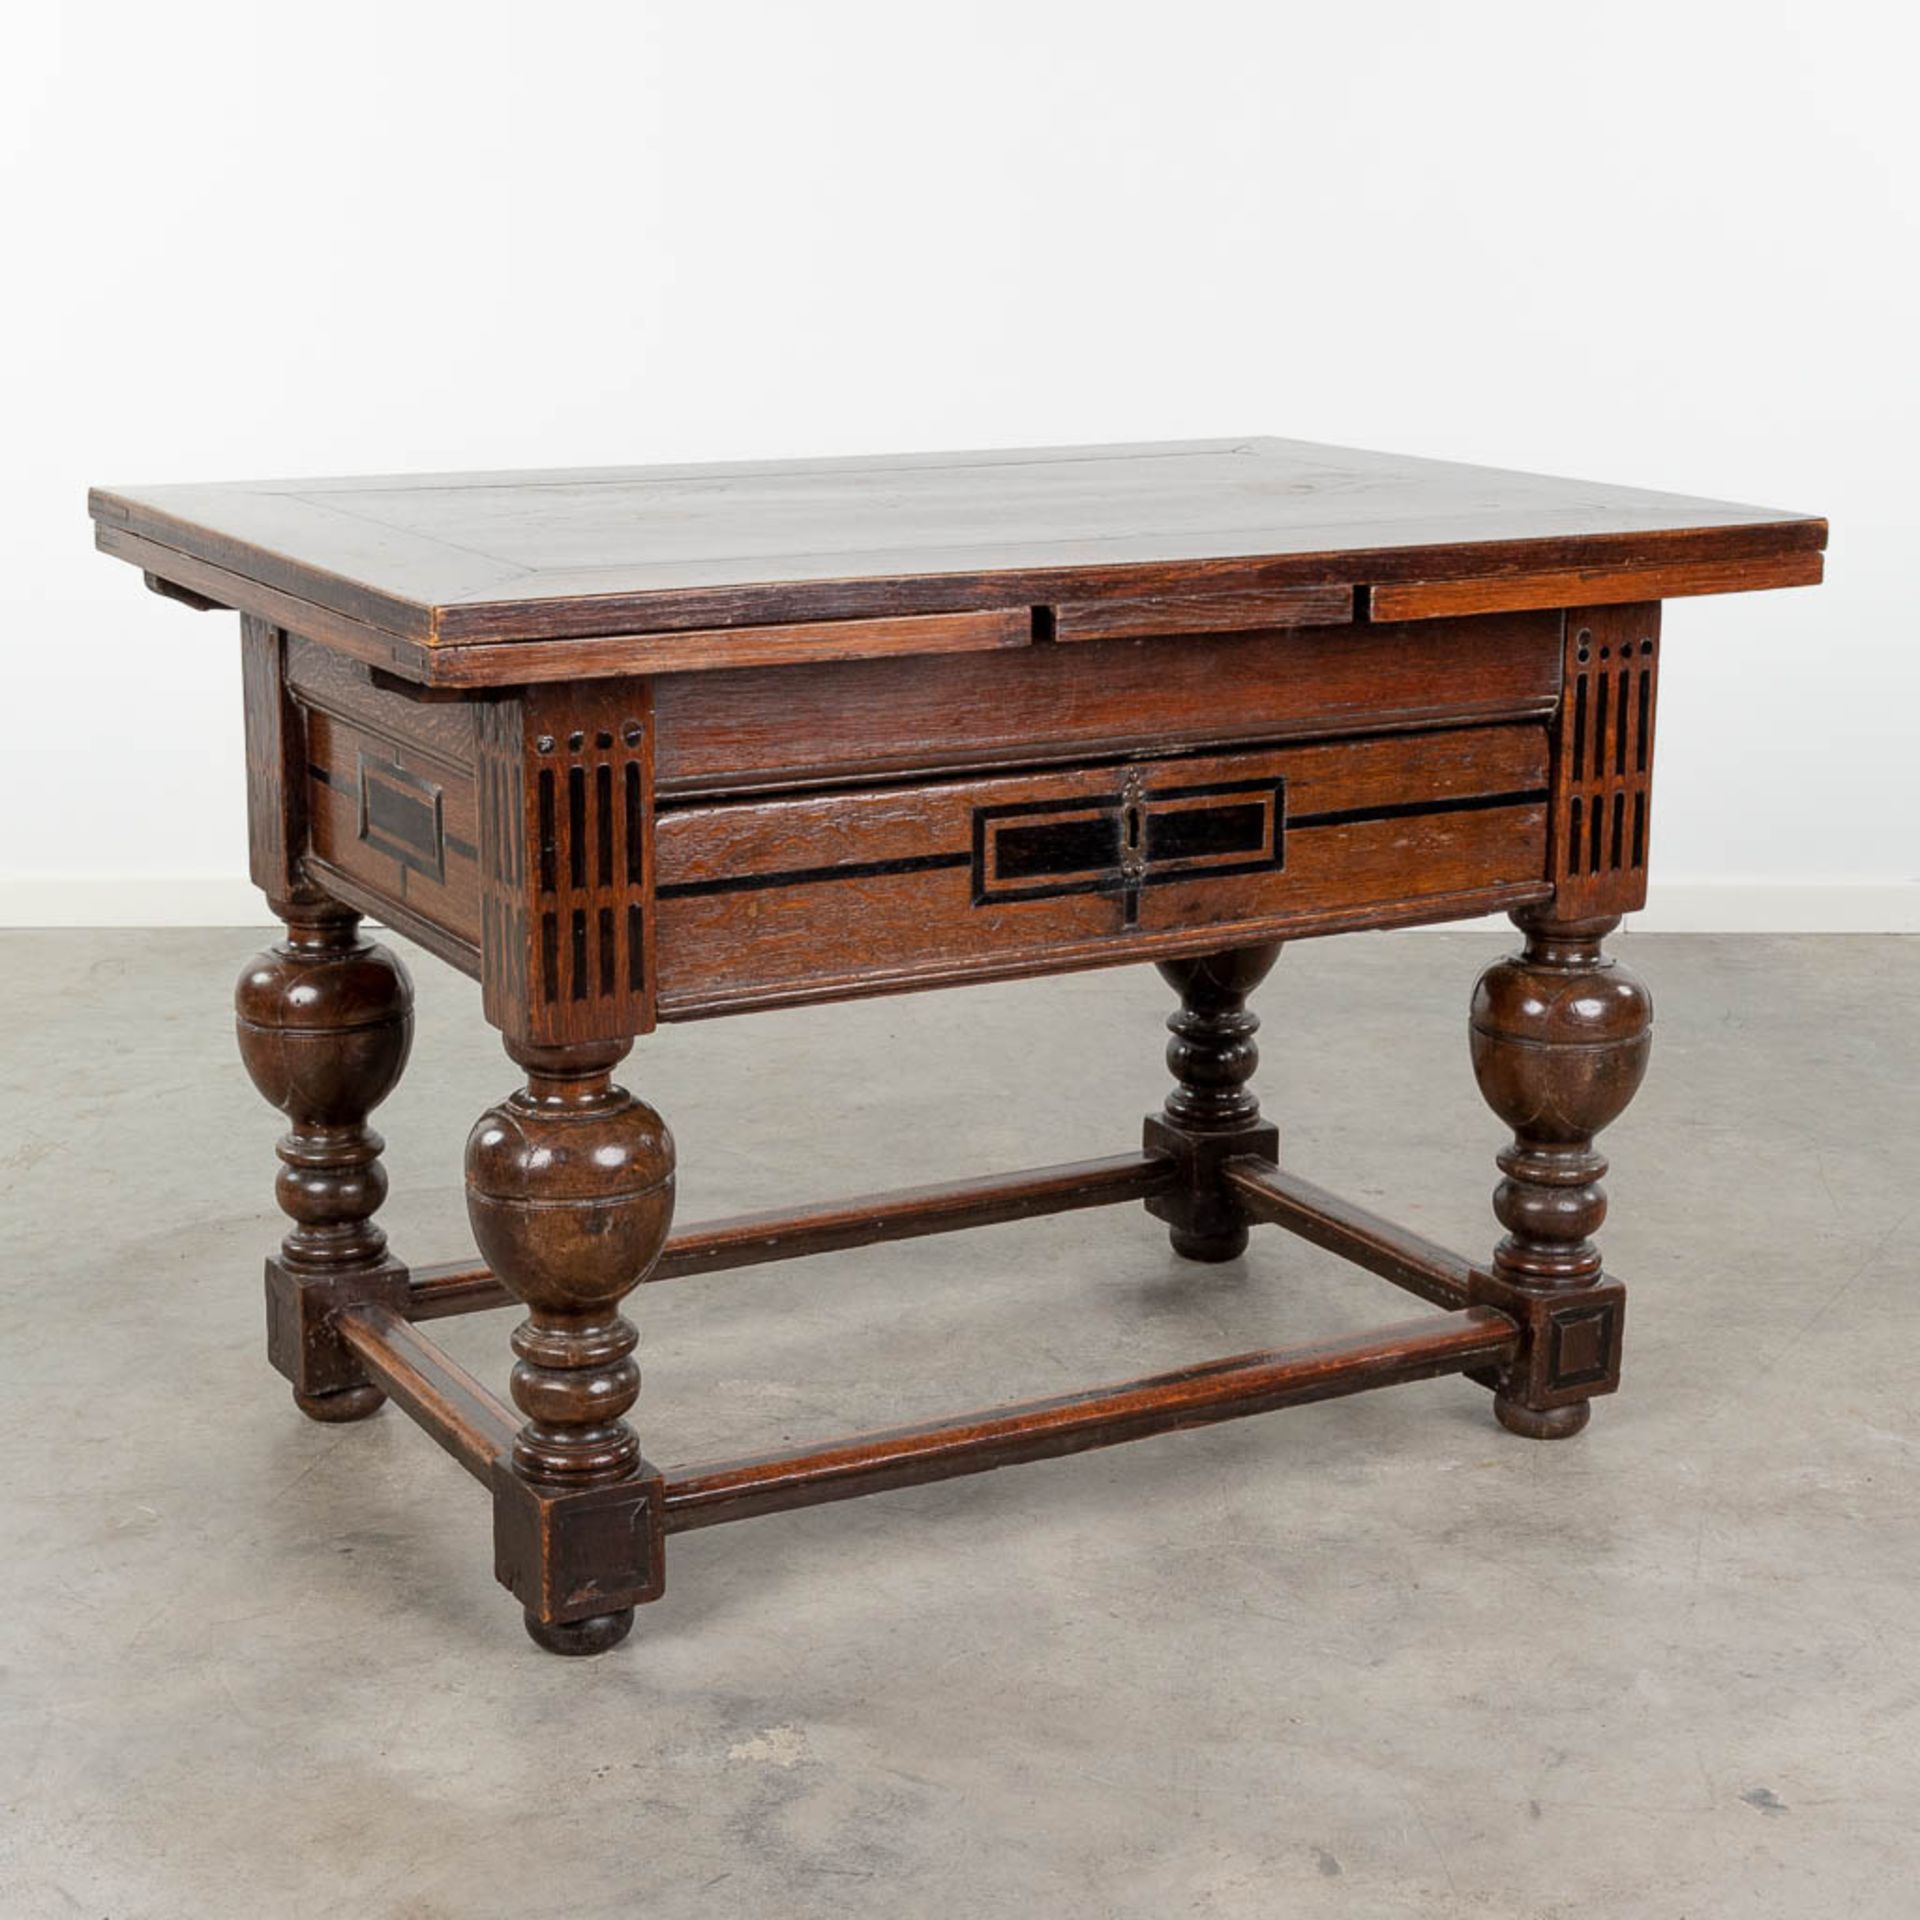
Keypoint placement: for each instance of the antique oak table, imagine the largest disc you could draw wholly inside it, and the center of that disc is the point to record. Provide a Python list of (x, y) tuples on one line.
[(662, 743)]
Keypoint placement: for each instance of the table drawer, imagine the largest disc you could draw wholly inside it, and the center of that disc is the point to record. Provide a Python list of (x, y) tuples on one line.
[(398, 819), (1125, 694), (773, 898)]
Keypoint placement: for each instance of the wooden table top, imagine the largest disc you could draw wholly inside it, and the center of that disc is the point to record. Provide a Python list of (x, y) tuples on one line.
[(463, 560)]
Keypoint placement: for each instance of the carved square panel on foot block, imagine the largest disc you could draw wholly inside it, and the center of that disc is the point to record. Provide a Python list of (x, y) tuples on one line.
[(303, 1339), (1572, 1340), (571, 1553)]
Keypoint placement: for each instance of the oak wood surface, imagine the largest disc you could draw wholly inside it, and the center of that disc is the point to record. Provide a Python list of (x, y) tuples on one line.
[(441, 1395), (731, 731), (456, 561), (321, 676), (1603, 761), (276, 754), (753, 1239), (1203, 613), (1216, 1390), (759, 900), (1592, 586), (1382, 1247), (396, 817), (915, 634), (671, 743)]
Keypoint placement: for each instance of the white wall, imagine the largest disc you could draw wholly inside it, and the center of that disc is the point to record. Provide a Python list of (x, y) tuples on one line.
[(1669, 245)]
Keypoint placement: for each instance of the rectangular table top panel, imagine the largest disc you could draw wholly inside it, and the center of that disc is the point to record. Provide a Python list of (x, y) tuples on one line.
[(477, 560)]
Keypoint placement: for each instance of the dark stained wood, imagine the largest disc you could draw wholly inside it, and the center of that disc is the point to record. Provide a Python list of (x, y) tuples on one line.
[(327, 681), (436, 1391), (1593, 586), (458, 560), (1602, 819), (199, 602), (510, 663), (734, 732), (275, 737), (1301, 923), (569, 1193), (1560, 1036), (888, 886), (453, 1287), (1212, 1114), (752, 1239), (398, 819), (385, 793), (762, 838), (393, 913), (567, 862), (1271, 1194), (1248, 1383), (646, 744), (325, 1022), (195, 580), (1183, 613)]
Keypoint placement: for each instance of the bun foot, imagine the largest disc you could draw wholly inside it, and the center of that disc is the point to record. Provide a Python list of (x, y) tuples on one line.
[(1213, 1247), (350, 1403), (1555, 1423), (595, 1634)]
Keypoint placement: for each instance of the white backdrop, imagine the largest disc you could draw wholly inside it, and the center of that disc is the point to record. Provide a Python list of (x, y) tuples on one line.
[(1668, 245)]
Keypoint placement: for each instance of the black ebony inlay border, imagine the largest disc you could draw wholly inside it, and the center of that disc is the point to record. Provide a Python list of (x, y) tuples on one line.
[(450, 841), (1084, 843), (807, 876), (1412, 809), (402, 815)]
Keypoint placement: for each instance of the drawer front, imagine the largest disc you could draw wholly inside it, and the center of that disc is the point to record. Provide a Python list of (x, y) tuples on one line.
[(723, 731), (771, 899), (402, 822)]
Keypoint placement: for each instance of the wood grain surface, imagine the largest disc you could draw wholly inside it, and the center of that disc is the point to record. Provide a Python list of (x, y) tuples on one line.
[(461, 564)]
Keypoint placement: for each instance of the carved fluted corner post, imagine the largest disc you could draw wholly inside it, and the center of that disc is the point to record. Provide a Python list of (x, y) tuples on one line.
[(1560, 1037), (325, 1023), (570, 1191), (1212, 1113)]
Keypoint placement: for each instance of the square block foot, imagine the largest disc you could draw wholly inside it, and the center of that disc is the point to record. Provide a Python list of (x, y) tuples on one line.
[(302, 1340), (1570, 1349), (570, 1553)]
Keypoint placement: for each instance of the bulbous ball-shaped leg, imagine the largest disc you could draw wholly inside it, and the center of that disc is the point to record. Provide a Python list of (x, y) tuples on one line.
[(325, 1023), (1212, 1113), (1560, 1036), (570, 1192)]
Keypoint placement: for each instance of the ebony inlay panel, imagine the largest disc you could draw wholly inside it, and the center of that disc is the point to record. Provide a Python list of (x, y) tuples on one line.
[(402, 813), (1128, 839), (900, 885)]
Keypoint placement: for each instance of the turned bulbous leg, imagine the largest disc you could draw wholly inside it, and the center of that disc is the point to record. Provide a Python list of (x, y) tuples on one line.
[(570, 1191), (1560, 1036), (325, 1023), (1212, 1113)]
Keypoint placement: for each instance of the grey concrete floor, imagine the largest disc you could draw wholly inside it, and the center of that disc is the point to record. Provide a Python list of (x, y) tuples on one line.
[(1373, 1658)]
